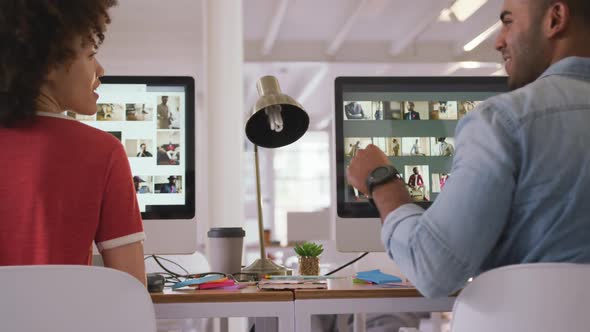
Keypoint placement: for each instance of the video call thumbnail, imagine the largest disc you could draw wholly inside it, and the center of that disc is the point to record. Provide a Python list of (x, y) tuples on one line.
[(415, 110), (407, 110), (358, 110), (168, 184), (140, 148), (403, 146), (110, 112), (149, 126), (168, 112), (438, 181), (442, 110), (353, 144), (442, 146), (171, 184), (168, 147), (417, 182), (143, 184), (139, 112), (423, 159), (416, 146), (393, 146)]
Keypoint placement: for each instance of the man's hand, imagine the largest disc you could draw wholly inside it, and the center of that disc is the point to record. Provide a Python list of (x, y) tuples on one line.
[(388, 196), (365, 161)]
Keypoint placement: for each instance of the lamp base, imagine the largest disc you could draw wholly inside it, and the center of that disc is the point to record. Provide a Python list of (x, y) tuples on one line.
[(264, 266)]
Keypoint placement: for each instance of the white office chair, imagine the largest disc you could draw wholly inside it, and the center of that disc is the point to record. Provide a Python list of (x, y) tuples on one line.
[(543, 297), (73, 298)]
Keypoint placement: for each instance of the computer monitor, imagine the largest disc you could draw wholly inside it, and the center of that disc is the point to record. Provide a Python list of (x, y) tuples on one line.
[(413, 120), (154, 118)]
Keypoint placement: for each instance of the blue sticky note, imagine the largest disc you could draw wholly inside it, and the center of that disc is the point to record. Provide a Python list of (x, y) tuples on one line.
[(377, 277), (197, 281)]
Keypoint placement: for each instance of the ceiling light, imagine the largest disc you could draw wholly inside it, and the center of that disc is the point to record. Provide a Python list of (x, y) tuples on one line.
[(482, 37), (455, 67), (471, 64), (446, 15), (463, 9), (478, 64)]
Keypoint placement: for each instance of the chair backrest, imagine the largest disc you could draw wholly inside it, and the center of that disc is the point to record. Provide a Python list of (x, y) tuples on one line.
[(542, 297), (73, 298)]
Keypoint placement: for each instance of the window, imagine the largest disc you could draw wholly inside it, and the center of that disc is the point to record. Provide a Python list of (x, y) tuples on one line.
[(302, 178)]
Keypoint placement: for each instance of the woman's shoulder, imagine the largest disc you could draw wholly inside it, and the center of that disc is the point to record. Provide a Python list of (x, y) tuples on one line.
[(74, 132)]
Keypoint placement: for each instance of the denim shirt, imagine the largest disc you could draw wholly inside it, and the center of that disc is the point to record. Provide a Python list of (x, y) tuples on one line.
[(518, 191)]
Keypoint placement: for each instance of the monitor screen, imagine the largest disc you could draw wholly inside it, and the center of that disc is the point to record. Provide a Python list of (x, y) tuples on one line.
[(411, 119), (153, 117)]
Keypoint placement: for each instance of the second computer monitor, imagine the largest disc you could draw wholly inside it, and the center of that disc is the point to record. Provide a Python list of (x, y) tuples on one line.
[(154, 118), (413, 120)]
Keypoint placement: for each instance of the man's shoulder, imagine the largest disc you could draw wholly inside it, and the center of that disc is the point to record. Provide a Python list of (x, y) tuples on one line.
[(522, 103)]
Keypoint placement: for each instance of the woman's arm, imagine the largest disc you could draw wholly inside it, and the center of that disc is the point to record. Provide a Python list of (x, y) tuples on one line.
[(127, 258)]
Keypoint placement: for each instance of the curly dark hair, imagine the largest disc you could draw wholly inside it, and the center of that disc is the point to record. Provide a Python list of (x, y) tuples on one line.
[(36, 36)]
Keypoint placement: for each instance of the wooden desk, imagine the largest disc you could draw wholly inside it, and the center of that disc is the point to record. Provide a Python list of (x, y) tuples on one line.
[(293, 309), (246, 302), (361, 299), (355, 291)]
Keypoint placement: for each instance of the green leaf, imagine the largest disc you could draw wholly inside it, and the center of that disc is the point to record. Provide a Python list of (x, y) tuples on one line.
[(308, 249)]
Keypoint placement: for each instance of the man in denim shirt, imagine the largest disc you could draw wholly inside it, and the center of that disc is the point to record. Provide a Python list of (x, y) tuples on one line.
[(520, 180)]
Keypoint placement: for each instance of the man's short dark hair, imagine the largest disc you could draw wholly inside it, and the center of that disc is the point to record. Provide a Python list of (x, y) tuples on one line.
[(579, 9)]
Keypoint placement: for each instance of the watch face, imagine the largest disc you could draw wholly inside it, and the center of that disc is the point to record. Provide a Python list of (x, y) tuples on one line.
[(380, 172)]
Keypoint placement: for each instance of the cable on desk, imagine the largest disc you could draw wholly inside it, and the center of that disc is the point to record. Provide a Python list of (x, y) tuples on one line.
[(173, 277), (347, 264), (157, 259)]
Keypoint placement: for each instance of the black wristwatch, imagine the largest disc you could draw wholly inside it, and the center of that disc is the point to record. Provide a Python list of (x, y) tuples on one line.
[(380, 175)]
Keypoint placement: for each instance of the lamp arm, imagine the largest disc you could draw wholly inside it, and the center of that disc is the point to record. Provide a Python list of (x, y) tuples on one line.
[(259, 203)]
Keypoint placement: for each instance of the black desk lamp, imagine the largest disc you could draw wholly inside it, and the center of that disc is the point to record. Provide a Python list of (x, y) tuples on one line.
[(277, 120)]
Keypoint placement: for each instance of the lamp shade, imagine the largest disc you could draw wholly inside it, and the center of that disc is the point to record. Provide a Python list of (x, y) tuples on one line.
[(293, 120)]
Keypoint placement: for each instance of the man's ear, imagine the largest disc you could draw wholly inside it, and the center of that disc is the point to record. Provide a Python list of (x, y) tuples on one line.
[(557, 19)]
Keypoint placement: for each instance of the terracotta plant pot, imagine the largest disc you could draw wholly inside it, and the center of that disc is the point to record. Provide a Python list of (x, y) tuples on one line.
[(309, 266)]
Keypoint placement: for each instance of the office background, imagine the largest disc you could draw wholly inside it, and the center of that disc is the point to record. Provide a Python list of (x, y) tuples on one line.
[(228, 44)]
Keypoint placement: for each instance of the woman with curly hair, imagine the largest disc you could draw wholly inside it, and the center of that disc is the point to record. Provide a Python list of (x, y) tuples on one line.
[(63, 184)]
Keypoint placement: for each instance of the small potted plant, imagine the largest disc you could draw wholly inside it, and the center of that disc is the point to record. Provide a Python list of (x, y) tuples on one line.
[(309, 258)]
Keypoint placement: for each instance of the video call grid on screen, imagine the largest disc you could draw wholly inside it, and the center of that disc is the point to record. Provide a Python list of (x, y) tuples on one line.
[(415, 129), (151, 123)]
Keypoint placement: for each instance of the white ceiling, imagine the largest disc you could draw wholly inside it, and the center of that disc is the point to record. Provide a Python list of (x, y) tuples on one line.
[(359, 30), (305, 43)]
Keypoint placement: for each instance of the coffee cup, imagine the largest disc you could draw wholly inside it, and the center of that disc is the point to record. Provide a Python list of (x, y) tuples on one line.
[(225, 249)]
